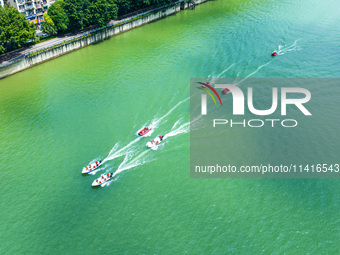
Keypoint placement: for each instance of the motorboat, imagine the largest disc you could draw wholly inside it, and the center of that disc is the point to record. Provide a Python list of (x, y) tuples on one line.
[(102, 179), (92, 167)]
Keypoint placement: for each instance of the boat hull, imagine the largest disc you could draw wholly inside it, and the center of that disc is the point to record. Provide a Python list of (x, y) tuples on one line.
[(90, 170), (144, 134), (102, 180), (154, 143)]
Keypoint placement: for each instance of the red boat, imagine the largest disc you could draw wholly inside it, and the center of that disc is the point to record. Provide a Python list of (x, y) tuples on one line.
[(274, 53), (225, 91), (144, 131)]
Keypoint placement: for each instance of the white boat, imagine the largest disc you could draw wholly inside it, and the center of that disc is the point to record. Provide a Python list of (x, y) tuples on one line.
[(155, 142), (102, 179), (91, 167)]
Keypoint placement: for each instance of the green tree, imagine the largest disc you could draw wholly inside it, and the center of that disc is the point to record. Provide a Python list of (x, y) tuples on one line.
[(84, 13), (48, 26), (78, 12), (15, 30), (102, 11), (127, 6), (58, 15)]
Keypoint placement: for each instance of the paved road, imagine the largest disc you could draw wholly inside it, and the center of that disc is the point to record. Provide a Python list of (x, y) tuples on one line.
[(42, 45)]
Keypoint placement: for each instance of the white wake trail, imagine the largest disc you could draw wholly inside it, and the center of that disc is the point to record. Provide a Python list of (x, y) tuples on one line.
[(156, 122), (249, 75), (141, 159), (284, 48), (176, 123), (226, 70), (137, 161), (211, 77), (184, 128), (115, 154)]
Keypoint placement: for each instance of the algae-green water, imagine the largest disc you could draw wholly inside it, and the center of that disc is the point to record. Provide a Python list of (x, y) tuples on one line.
[(61, 115)]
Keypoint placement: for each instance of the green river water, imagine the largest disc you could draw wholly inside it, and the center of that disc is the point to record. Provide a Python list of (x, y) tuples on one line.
[(59, 116)]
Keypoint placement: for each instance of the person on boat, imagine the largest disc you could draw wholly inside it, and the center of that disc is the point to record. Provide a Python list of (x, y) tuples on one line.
[(274, 53), (144, 130)]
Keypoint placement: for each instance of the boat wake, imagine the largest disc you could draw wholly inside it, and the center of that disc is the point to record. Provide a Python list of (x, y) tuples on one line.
[(212, 79), (130, 149), (251, 74), (115, 154), (182, 129), (156, 122), (130, 161), (286, 48), (125, 165), (137, 161)]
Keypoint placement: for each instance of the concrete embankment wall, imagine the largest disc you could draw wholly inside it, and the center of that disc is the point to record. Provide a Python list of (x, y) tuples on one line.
[(25, 62)]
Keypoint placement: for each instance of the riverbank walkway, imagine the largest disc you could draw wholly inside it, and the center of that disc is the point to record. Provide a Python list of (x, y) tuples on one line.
[(22, 52)]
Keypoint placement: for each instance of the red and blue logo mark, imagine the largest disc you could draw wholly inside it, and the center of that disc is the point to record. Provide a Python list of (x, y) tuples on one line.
[(207, 85)]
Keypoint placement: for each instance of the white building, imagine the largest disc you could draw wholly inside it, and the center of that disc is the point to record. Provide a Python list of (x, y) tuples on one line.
[(33, 10), (3, 2)]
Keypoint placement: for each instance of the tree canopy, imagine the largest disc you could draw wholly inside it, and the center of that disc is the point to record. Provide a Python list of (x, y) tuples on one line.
[(58, 15), (64, 15), (48, 26), (126, 6), (103, 11), (15, 30), (78, 14)]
